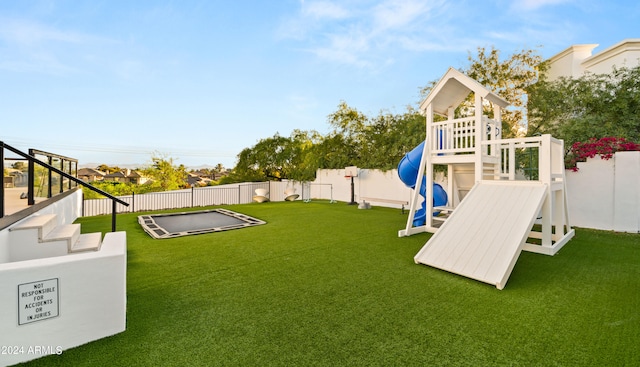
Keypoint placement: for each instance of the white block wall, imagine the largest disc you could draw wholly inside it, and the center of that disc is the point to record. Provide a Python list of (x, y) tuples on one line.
[(605, 194), (590, 194), (67, 210), (91, 298), (368, 183)]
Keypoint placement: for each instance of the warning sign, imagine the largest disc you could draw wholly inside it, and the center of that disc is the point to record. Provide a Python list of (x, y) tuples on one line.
[(38, 301)]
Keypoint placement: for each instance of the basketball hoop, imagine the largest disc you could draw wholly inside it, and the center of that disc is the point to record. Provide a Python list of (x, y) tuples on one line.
[(349, 173)]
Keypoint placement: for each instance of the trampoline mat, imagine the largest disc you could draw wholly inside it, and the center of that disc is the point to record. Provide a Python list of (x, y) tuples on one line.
[(189, 223)]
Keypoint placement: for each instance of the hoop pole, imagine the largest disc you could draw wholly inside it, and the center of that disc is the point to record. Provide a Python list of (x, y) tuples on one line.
[(353, 202)]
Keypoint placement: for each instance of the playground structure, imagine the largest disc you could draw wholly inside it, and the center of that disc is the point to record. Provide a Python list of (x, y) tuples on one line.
[(408, 172), (492, 212)]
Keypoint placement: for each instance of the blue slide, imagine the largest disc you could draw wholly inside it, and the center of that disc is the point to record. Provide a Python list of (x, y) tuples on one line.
[(408, 172)]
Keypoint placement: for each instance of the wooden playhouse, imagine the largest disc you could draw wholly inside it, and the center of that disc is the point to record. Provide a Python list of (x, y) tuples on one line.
[(493, 212)]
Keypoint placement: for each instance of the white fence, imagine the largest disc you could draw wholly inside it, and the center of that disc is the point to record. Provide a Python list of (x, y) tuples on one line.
[(194, 197), (603, 194), (369, 183)]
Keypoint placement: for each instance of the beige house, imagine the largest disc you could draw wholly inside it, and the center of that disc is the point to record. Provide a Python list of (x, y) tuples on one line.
[(90, 174), (579, 59), (126, 175), (196, 180)]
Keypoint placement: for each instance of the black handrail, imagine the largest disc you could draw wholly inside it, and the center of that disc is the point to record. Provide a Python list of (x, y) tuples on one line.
[(64, 174), (50, 156)]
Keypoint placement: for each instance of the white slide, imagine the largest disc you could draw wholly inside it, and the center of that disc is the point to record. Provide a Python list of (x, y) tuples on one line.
[(484, 236)]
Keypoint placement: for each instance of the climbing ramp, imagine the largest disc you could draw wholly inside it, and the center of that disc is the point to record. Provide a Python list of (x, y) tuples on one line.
[(484, 236)]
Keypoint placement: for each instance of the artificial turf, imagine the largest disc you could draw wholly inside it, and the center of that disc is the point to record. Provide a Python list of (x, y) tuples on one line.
[(325, 284)]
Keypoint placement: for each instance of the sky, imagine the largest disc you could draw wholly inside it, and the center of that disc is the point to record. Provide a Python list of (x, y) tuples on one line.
[(119, 81)]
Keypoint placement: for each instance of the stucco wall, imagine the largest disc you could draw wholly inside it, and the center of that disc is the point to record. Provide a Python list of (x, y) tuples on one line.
[(67, 210), (370, 183), (578, 59), (84, 300), (603, 194)]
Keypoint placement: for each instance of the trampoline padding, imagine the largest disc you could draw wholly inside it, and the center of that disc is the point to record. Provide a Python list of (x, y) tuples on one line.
[(189, 223)]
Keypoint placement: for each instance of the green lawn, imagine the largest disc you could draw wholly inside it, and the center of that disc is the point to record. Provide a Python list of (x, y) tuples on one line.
[(329, 285)]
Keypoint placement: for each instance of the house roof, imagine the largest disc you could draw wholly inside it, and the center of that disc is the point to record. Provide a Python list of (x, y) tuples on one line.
[(193, 179), (575, 60), (583, 48), (453, 88), (116, 174), (125, 173), (90, 172), (627, 45)]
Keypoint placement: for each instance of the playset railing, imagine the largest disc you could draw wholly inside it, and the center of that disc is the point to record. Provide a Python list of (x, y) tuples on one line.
[(539, 158), (459, 136)]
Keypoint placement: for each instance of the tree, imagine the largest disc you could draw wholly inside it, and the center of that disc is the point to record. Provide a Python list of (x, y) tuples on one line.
[(380, 142), (592, 106), (388, 137), (165, 175), (20, 166), (111, 187), (343, 145), (219, 168), (510, 79), (305, 161), (108, 169), (335, 151), (270, 159), (356, 139)]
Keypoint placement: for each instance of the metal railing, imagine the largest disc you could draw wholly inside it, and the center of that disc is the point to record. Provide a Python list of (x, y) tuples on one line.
[(64, 179), (48, 183)]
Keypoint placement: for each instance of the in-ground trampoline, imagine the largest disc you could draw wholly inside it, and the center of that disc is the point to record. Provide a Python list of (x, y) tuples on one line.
[(188, 223)]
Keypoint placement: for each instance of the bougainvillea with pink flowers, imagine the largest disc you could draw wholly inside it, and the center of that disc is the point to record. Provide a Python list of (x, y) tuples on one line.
[(604, 147)]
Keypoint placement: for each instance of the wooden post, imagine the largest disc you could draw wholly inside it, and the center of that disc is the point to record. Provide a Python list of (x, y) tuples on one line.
[(544, 174), (478, 138)]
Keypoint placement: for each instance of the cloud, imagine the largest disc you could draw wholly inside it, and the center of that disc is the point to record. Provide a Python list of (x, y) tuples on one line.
[(530, 5), (30, 46), (25, 33), (366, 35), (397, 14), (323, 10), (311, 17), (26, 47), (373, 34)]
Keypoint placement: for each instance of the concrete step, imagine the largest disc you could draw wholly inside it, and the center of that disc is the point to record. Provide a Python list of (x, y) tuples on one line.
[(88, 242), (40, 237), (67, 232), (43, 223)]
